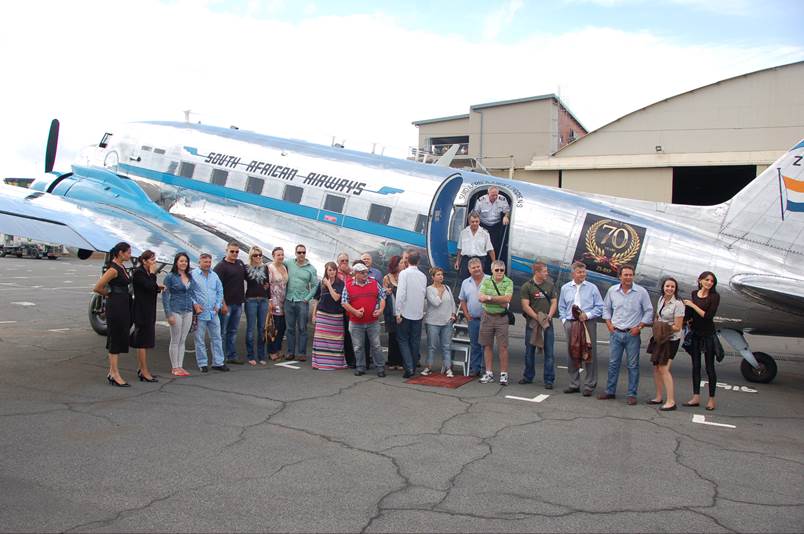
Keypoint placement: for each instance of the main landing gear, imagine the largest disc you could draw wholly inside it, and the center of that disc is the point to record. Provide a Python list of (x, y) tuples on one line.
[(756, 366)]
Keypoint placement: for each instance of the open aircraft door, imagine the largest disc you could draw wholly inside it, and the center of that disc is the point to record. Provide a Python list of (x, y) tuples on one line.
[(439, 220)]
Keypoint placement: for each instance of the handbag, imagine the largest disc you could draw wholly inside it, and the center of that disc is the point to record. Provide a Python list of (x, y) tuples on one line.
[(508, 312), (269, 330), (687, 343), (719, 353)]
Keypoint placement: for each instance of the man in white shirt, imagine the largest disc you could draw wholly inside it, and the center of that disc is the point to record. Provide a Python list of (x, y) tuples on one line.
[(409, 311), (494, 210), (474, 242)]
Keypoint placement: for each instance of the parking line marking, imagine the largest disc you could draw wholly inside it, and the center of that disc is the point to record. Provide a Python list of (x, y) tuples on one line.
[(698, 418), (287, 365), (537, 398), (24, 303), (8, 322), (58, 329)]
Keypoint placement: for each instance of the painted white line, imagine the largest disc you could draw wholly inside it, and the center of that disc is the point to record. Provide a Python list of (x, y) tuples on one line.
[(19, 277), (8, 283), (561, 366), (287, 365), (729, 387), (24, 303), (58, 330), (698, 418), (67, 282), (8, 322), (537, 398), (163, 323)]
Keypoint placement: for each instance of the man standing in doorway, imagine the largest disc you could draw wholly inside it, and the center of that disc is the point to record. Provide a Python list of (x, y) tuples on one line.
[(627, 310), (410, 295), (539, 304), (473, 242), (586, 297), (473, 311), (493, 210), (302, 283), (232, 273)]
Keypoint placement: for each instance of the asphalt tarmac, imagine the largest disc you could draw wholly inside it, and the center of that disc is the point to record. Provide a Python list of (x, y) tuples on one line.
[(296, 450)]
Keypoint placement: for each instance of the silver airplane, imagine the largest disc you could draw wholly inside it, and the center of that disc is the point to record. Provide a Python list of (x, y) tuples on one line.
[(170, 187)]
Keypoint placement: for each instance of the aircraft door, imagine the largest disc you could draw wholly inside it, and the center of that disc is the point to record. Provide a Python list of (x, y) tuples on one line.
[(438, 222)]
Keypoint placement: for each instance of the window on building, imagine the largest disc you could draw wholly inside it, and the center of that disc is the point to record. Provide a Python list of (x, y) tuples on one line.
[(421, 224), (254, 185), (159, 151), (146, 148), (292, 194), (379, 214), (219, 177), (334, 203), (186, 169)]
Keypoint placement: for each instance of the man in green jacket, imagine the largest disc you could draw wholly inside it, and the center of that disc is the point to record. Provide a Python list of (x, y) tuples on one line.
[(302, 283)]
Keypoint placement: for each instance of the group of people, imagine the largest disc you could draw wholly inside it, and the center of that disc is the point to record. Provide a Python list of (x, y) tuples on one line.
[(349, 300)]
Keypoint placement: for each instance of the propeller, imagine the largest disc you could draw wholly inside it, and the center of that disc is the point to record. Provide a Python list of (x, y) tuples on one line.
[(52, 143)]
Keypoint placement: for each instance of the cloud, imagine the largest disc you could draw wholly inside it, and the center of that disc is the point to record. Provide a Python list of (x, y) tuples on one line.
[(498, 19), (362, 78)]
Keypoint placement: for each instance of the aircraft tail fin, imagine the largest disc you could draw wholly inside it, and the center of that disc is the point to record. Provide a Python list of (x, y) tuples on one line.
[(770, 210)]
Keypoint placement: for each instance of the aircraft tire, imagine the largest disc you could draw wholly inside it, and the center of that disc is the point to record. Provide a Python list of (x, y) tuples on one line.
[(764, 374), (97, 320)]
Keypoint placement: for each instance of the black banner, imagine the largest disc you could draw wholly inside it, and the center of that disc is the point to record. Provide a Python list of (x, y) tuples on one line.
[(606, 244)]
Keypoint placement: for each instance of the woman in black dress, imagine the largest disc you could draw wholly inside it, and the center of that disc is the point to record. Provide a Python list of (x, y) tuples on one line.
[(113, 285), (701, 310), (389, 282), (145, 291)]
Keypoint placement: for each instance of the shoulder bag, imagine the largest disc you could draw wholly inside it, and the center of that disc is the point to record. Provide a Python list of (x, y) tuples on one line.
[(508, 312)]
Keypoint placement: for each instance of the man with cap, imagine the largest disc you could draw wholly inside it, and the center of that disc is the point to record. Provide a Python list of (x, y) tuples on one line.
[(364, 301)]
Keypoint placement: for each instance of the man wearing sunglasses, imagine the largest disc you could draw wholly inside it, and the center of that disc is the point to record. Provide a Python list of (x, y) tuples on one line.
[(302, 283), (232, 273), (495, 294)]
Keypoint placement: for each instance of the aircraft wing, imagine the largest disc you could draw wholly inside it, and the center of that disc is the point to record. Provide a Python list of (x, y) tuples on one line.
[(781, 292), (98, 226)]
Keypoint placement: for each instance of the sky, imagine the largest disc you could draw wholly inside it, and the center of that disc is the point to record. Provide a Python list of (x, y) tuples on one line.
[(358, 71)]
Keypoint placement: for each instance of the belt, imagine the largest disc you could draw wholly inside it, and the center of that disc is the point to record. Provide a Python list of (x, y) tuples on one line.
[(496, 314), (622, 329), (118, 290)]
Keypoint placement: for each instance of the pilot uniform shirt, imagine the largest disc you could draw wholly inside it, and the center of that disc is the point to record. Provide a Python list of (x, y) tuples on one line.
[(477, 244), (491, 214)]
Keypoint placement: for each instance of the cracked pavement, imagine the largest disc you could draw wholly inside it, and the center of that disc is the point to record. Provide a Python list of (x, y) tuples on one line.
[(277, 449)]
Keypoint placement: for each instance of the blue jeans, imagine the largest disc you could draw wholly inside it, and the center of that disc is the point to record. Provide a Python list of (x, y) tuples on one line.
[(256, 312), (214, 327), (476, 363), (619, 342), (409, 333), (296, 313), (549, 356), (439, 338), (229, 324)]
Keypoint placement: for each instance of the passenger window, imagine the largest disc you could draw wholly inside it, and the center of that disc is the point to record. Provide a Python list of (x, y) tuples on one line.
[(219, 177), (334, 203), (186, 169), (254, 185), (293, 194), (421, 224), (172, 167), (379, 214)]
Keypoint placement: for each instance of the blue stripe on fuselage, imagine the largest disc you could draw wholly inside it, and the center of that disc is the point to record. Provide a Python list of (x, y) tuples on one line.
[(314, 214)]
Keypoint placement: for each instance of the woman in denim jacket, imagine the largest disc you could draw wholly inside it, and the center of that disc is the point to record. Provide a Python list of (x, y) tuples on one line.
[(178, 310)]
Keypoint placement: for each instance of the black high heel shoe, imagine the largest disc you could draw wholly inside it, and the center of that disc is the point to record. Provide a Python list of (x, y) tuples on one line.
[(143, 379), (114, 382)]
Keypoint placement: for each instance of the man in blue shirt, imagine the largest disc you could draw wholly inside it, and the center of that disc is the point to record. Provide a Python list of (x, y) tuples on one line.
[(206, 292), (627, 310), (587, 297), (473, 311)]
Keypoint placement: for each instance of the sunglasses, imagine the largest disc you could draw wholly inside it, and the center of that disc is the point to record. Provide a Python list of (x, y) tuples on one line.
[(256, 255), (233, 251), (498, 270), (301, 252)]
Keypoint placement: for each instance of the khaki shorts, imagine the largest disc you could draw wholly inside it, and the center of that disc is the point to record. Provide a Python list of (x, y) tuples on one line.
[(493, 327)]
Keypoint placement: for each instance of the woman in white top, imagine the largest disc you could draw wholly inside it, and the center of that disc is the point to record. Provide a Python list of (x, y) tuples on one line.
[(278, 285), (670, 310), (438, 319)]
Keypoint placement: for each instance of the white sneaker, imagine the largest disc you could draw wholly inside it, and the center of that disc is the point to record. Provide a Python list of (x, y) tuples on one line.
[(425, 372), (487, 378), (449, 373), (503, 379)]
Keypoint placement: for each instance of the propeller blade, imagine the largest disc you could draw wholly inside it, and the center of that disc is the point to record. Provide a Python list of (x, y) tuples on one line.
[(52, 143)]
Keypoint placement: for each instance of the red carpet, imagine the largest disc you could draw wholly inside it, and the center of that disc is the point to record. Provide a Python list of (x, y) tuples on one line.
[(440, 381)]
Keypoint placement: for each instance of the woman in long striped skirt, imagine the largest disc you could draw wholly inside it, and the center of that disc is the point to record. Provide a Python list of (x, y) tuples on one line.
[(328, 319)]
